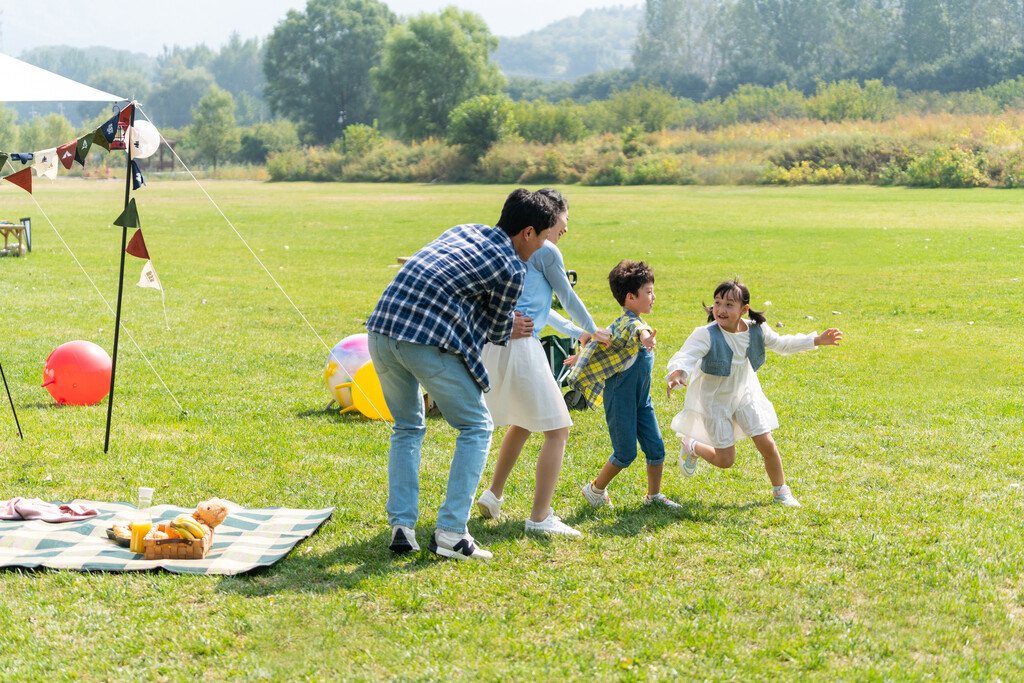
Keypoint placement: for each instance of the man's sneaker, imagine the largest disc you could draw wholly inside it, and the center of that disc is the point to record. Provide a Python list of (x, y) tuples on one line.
[(661, 499), (595, 498), (489, 505), (784, 496), (551, 525), (456, 546), (403, 540), (688, 457)]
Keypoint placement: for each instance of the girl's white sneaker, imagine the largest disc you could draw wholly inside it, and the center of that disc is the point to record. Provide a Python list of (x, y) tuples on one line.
[(784, 496)]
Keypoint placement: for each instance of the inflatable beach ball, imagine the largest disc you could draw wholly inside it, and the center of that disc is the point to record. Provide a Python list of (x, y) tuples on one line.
[(348, 355), (77, 373)]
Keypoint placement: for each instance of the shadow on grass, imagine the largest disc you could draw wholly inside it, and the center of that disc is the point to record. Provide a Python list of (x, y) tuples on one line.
[(643, 518)]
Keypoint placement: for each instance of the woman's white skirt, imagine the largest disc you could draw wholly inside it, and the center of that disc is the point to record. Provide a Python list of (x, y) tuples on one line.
[(523, 391)]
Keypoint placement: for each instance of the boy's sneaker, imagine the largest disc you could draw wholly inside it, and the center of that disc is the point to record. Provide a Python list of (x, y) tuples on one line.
[(784, 496), (456, 546), (663, 500), (594, 497), (489, 505), (688, 457), (403, 540), (551, 525)]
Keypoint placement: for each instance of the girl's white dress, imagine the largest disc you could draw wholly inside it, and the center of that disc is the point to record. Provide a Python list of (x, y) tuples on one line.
[(723, 410)]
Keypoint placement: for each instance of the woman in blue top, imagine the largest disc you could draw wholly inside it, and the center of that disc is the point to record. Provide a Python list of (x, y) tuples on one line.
[(524, 393)]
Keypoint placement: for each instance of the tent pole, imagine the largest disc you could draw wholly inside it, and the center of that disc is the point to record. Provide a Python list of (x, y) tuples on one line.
[(120, 280), (11, 400)]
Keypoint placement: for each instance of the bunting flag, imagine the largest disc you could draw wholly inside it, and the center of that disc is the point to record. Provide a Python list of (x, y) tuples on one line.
[(22, 179), (137, 246), (98, 137), (125, 117), (129, 218), (46, 164), (149, 280), (23, 157), (148, 277), (3, 159), (84, 145), (138, 180), (66, 154)]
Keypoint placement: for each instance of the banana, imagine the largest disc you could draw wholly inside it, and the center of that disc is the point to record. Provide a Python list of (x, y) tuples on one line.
[(185, 533), (193, 528)]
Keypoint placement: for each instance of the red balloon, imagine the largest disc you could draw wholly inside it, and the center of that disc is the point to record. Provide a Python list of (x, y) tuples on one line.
[(77, 373)]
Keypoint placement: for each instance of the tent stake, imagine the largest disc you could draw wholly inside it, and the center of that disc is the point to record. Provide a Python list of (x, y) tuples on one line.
[(120, 282), (11, 400)]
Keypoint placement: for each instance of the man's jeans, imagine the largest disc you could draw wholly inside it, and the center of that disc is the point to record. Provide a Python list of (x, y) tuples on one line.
[(402, 368)]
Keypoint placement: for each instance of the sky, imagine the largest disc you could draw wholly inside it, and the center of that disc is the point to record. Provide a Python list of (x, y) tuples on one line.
[(148, 25)]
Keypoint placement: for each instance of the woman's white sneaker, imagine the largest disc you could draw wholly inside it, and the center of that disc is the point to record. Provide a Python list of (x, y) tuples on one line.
[(489, 505), (551, 525)]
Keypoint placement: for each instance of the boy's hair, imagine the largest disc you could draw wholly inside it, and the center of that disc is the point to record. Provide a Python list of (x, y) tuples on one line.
[(737, 291), (524, 209), (557, 197), (628, 277)]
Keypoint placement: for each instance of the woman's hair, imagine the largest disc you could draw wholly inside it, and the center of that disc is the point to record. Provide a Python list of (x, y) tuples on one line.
[(737, 291)]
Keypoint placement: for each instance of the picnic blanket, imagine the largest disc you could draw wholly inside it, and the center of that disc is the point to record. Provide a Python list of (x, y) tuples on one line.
[(248, 538)]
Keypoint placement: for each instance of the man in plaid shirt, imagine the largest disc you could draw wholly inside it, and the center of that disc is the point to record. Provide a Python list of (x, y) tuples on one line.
[(429, 329)]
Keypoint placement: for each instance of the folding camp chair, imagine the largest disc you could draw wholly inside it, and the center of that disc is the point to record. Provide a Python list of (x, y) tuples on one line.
[(557, 349)]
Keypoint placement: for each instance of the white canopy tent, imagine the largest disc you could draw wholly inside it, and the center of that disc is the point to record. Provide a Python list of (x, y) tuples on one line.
[(23, 82)]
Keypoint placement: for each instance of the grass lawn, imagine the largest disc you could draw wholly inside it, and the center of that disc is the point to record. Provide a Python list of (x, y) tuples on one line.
[(903, 444)]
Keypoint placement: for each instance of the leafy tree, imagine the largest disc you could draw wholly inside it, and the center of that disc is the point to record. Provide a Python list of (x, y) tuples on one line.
[(213, 134), (238, 68), (43, 132), (541, 121), (317, 64), (177, 94), (679, 38), (430, 66), (262, 139), (8, 128), (649, 109), (480, 122)]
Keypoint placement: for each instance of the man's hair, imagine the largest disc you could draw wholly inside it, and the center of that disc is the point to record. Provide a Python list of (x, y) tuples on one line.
[(523, 209), (628, 277), (557, 197)]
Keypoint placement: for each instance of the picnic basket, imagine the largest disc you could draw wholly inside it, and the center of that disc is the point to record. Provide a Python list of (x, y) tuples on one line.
[(177, 548)]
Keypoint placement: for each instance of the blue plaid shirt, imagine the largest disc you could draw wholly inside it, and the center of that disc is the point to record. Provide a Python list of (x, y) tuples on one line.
[(456, 293)]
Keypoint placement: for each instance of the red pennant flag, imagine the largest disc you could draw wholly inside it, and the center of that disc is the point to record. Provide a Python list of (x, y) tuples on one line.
[(66, 154), (137, 246), (22, 179), (125, 117)]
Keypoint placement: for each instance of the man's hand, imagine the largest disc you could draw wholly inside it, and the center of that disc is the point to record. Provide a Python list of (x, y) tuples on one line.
[(522, 326), (602, 336)]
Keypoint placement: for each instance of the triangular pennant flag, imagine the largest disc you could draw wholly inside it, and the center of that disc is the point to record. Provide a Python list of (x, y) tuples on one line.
[(129, 218), (84, 145), (22, 179), (137, 246), (148, 277), (66, 154), (109, 129), (138, 180), (125, 117), (3, 159), (98, 138), (46, 164), (23, 157)]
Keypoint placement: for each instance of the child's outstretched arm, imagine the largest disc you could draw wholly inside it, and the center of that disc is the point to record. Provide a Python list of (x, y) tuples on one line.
[(829, 337), (682, 364)]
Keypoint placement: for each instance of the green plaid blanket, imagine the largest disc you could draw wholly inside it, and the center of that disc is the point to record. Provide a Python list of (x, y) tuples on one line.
[(247, 539)]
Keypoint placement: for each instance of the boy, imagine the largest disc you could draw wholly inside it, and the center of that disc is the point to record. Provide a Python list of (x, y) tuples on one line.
[(620, 376)]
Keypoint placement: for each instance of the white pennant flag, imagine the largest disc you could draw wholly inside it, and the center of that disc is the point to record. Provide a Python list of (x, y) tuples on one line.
[(46, 163), (149, 280)]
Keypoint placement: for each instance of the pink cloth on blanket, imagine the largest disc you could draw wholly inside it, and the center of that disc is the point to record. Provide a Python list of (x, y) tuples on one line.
[(34, 508)]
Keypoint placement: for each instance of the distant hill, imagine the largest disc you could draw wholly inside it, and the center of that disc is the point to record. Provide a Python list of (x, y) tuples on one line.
[(598, 40)]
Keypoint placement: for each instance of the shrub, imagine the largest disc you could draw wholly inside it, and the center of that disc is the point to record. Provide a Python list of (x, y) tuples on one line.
[(480, 122), (947, 167), (664, 171), (359, 140), (258, 141), (847, 100), (805, 173), (650, 109), (540, 121)]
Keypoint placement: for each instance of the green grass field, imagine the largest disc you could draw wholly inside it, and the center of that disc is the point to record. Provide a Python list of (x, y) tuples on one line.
[(903, 444)]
